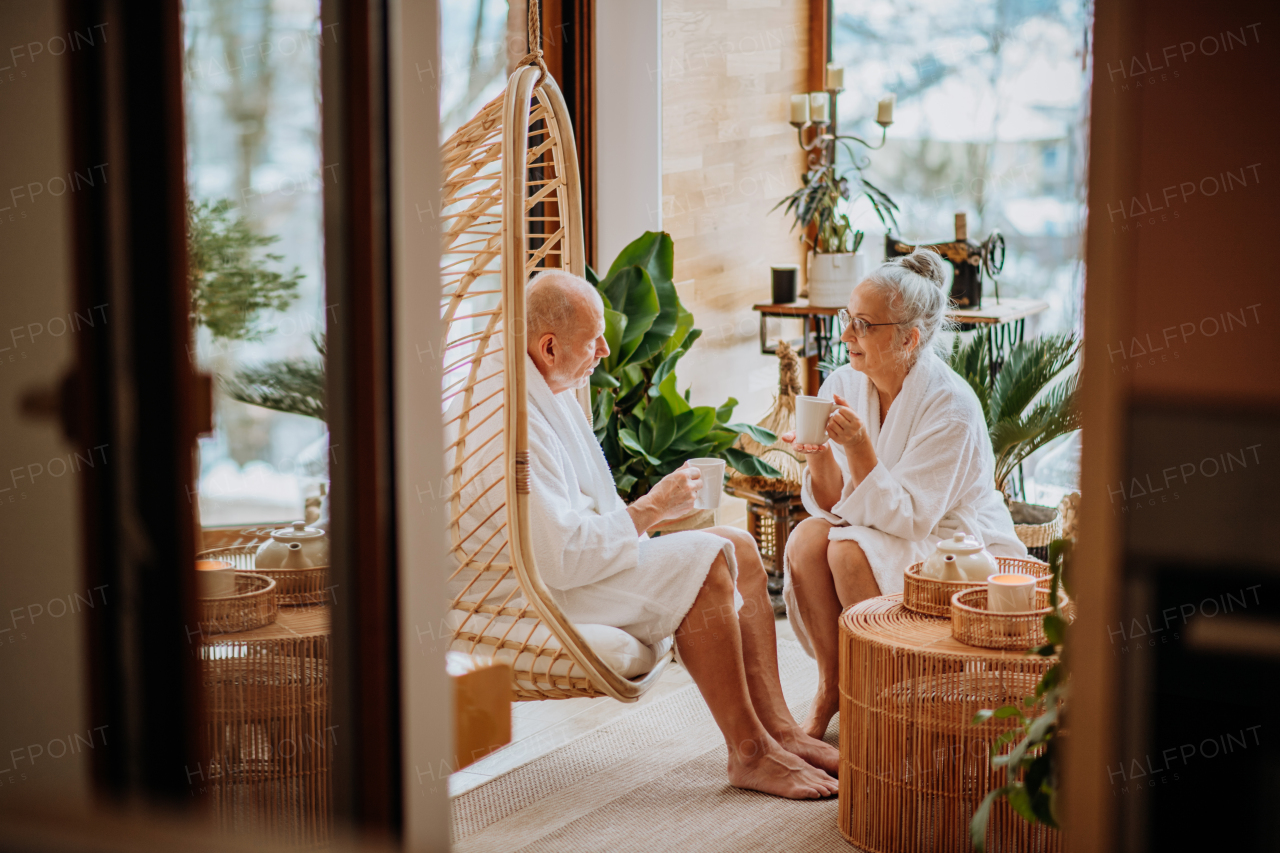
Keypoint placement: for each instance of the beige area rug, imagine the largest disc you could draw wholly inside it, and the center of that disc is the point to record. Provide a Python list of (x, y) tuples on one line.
[(652, 781)]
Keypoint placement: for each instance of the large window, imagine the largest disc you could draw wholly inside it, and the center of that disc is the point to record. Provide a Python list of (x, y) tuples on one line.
[(255, 178), (990, 121), (478, 41)]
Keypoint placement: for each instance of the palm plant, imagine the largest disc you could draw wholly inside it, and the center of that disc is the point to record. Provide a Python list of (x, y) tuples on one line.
[(1024, 408), (292, 385)]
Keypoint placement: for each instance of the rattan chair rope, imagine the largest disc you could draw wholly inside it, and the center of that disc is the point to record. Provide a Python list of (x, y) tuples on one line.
[(511, 206)]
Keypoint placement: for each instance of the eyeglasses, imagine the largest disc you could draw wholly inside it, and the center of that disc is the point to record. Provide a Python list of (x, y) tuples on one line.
[(858, 325)]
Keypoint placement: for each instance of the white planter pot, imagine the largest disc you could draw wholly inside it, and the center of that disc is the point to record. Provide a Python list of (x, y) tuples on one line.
[(832, 278)]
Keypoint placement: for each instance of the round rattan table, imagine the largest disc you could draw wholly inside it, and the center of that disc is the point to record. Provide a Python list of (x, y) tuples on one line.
[(268, 745), (912, 766)]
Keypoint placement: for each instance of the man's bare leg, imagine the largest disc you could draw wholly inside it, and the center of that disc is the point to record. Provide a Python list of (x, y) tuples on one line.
[(710, 644), (760, 656), (827, 577)]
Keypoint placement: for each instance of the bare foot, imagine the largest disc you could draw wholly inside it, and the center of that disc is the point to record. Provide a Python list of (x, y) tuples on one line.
[(824, 707), (817, 752), (773, 770)]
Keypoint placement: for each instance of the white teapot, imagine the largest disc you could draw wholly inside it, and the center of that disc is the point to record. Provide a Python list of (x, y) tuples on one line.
[(959, 559), (294, 547)]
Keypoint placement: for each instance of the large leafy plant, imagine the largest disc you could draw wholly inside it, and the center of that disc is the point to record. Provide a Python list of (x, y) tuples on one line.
[(1024, 408), (1031, 766), (646, 426)]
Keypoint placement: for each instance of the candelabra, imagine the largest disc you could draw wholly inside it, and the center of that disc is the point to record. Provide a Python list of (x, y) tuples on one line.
[(813, 115)]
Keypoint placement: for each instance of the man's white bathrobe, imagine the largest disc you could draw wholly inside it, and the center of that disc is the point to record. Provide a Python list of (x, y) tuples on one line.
[(599, 571), (934, 476)]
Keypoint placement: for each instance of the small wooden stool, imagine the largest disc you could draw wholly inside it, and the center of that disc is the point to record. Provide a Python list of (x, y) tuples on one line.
[(913, 768)]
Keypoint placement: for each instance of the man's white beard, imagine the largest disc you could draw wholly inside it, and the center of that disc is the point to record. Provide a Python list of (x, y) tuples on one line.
[(572, 383)]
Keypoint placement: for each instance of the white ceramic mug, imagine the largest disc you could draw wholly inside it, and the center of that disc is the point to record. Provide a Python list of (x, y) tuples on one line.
[(811, 419), (1011, 593), (712, 481), (215, 578)]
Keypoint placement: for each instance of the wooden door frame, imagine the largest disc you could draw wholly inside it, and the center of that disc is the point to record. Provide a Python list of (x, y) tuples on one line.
[(132, 392), (568, 45), (368, 790)]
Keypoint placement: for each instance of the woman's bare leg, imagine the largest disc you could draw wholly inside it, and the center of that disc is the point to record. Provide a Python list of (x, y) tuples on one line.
[(760, 656), (819, 605), (851, 572), (852, 580), (710, 644)]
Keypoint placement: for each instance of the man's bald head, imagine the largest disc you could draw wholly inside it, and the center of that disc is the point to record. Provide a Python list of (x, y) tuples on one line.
[(564, 318), (558, 303)]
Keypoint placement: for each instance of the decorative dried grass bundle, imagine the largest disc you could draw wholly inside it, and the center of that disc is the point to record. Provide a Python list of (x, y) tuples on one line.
[(781, 418)]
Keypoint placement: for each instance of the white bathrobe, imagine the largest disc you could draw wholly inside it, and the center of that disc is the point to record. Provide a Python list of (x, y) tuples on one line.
[(599, 571), (934, 476)]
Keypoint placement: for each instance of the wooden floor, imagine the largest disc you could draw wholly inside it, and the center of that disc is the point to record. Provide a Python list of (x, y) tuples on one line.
[(537, 728)]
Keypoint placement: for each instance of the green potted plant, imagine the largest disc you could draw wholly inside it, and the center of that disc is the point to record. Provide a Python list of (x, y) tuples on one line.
[(231, 285), (229, 281), (1028, 403), (1032, 766), (835, 265), (647, 427)]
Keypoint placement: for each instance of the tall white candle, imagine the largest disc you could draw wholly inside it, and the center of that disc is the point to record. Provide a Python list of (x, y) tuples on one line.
[(835, 76), (800, 109), (884, 114), (819, 108)]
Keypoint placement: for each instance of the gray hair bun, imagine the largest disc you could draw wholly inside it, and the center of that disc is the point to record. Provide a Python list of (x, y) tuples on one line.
[(927, 263), (915, 287)]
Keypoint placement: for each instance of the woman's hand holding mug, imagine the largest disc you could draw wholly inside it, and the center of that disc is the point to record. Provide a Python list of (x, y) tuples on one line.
[(803, 449), (844, 427)]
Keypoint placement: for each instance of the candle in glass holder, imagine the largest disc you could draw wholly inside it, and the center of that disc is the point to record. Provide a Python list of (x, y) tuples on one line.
[(1011, 593), (800, 109), (819, 108), (215, 578), (884, 111), (835, 76)]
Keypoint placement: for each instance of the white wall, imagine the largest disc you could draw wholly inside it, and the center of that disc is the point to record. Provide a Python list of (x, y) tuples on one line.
[(628, 128)]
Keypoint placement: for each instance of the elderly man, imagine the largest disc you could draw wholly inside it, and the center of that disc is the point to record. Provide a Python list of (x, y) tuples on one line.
[(708, 588)]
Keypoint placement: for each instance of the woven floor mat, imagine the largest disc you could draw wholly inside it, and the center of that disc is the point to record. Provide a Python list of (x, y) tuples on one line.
[(654, 780)]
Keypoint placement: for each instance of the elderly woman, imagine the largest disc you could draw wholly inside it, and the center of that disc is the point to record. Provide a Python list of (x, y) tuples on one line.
[(908, 463)]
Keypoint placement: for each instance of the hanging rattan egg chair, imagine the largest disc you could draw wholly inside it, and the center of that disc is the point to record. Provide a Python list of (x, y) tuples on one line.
[(511, 207)]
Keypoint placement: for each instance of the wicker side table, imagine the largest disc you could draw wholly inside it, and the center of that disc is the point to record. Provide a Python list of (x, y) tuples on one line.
[(912, 767), (268, 745)]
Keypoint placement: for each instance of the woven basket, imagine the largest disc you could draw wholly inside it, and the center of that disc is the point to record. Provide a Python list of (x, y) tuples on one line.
[(933, 597), (294, 587), (252, 605), (1039, 533), (974, 625)]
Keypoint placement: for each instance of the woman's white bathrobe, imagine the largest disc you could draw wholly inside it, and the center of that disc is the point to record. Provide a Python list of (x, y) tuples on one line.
[(599, 571), (934, 476)]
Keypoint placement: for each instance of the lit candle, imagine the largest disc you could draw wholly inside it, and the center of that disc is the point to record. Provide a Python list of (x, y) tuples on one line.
[(835, 76), (1011, 593), (884, 115), (800, 109), (819, 108)]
